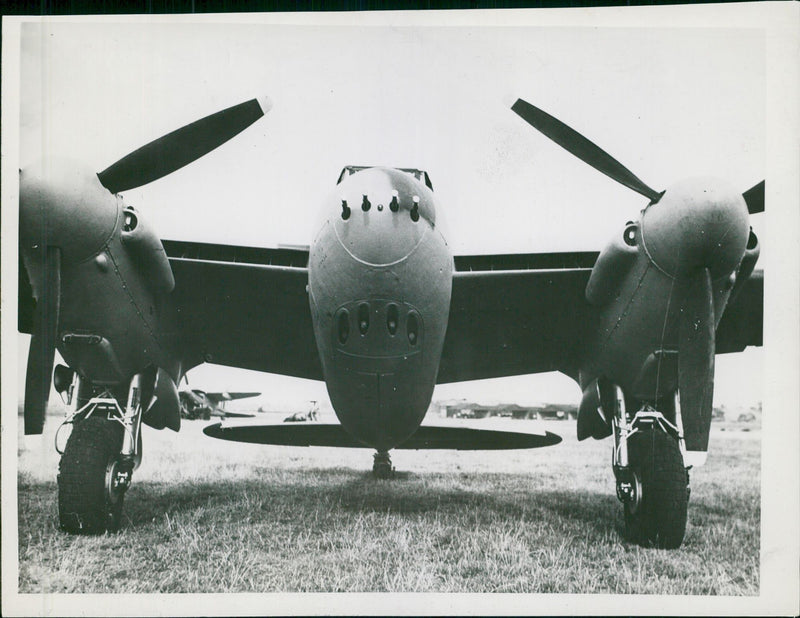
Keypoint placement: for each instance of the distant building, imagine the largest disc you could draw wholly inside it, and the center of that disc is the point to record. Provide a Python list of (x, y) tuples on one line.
[(472, 410)]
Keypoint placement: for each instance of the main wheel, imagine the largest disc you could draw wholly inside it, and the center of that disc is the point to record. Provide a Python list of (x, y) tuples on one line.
[(88, 499), (657, 515)]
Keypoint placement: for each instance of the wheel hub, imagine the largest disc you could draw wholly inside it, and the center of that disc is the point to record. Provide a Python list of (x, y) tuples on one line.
[(629, 488), (118, 479)]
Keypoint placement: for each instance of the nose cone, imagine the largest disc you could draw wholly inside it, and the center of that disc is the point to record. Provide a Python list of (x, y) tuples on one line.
[(387, 215), (63, 204), (698, 223)]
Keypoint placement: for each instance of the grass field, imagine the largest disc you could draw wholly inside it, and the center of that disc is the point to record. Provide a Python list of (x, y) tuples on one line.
[(205, 515)]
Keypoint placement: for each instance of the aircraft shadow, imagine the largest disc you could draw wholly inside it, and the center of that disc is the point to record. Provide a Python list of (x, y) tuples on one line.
[(249, 500)]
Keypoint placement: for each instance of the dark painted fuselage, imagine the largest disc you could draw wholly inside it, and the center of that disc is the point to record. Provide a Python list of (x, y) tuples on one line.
[(380, 278)]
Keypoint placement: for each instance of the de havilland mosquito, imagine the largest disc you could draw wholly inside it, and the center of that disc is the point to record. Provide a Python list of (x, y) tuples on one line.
[(381, 310), (201, 404)]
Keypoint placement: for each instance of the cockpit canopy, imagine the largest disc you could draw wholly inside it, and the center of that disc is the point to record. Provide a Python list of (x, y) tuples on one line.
[(420, 175)]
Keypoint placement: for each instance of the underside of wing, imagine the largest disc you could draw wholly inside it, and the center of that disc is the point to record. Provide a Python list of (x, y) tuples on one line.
[(515, 314), (244, 307), (226, 396)]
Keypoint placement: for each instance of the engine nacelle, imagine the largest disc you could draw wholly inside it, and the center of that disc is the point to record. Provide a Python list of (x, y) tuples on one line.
[(115, 275), (146, 249), (638, 281), (612, 266)]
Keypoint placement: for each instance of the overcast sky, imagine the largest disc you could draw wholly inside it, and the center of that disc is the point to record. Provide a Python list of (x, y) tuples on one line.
[(668, 103)]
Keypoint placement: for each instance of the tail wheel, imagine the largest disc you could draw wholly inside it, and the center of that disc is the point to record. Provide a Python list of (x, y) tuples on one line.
[(657, 515), (89, 498), (382, 465)]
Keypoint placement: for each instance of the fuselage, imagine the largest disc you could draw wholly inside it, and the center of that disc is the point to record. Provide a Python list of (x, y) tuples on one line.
[(380, 277)]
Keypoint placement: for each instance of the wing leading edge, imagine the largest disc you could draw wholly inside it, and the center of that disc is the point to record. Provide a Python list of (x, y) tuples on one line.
[(509, 314), (244, 307), (523, 314), (515, 314)]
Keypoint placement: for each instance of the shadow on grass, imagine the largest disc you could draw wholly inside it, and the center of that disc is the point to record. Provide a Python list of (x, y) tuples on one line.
[(345, 492), (337, 493)]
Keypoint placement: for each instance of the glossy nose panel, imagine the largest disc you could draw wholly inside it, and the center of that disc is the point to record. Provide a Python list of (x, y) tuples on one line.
[(383, 215)]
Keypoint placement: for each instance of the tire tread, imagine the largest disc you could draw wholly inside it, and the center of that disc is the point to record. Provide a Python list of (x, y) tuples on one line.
[(661, 518), (82, 504)]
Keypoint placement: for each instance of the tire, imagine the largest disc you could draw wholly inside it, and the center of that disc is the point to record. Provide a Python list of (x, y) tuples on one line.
[(658, 518), (382, 466), (86, 504)]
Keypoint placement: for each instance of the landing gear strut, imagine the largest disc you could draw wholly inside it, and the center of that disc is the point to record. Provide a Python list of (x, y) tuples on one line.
[(382, 465), (652, 482), (99, 459)]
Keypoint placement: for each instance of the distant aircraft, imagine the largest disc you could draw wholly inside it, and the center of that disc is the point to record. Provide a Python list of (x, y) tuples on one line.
[(380, 309), (199, 404), (301, 417)]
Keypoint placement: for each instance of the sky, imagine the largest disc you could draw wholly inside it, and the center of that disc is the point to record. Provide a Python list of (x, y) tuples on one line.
[(669, 103)]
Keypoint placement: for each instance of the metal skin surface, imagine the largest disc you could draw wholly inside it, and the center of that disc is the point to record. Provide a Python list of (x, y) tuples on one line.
[(113, 320), (379, 292), (697, 224), (380, 264), (63, 204)]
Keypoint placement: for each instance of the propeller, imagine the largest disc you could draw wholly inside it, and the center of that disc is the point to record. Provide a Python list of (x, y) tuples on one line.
[(588, 152), (43, 341), (146, 164), (181, 147), (754, 198), (696, 345)]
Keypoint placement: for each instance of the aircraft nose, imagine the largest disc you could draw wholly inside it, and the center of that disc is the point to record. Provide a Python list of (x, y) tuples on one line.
[(699, 223), (374, 233), (381, 215), (380, 409)]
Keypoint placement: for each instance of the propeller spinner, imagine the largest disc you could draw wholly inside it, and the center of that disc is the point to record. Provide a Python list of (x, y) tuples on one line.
[(697, 322), (146, 164)]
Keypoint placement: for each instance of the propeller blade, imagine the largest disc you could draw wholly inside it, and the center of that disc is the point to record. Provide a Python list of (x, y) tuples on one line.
[(174, 150), (754, 198), (588, 152), (696, 349), (43, 342), (26, 303)]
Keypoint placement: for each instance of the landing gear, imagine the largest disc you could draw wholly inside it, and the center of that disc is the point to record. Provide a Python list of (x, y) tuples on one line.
[(657, 513), (382, 465), (652, 482), (98, 461), (90, 495)]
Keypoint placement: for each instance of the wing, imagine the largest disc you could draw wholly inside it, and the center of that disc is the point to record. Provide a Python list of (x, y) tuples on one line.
[(244, 307), (522, 314), (227, 396), (515, 314)]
